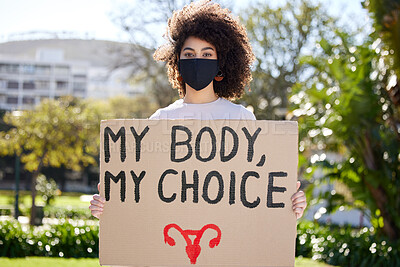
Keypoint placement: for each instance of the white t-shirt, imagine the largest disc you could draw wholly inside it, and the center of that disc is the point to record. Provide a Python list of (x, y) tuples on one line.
[(215, 110)]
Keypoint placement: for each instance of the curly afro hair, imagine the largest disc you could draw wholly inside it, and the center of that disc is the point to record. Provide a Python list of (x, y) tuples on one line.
[(211, 23)]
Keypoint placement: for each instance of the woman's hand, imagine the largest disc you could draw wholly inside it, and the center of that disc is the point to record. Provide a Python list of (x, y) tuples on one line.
[(97, 204), (299, 202)]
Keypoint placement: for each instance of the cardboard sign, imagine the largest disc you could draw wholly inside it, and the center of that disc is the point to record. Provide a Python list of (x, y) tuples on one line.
[(196, 192)]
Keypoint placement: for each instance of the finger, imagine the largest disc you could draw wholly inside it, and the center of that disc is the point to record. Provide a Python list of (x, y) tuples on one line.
[(298, 185), (298, 207), (99, 198), (298, 200), (98, 187), (94, 202), (298, 211), (95, 208), (297, 195), (301, 205), (97, 203), (96, 214)]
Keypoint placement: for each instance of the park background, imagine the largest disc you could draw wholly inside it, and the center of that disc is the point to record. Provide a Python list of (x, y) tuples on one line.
[(333, 66)]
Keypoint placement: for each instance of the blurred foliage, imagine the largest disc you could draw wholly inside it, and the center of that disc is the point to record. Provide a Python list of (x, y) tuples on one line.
[(349, 126), (53, 124), (47, 188), (279, 37), (346, 246), (386, 15), (67, 239)]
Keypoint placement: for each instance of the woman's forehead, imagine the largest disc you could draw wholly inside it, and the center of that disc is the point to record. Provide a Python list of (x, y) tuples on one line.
[(197, 43)]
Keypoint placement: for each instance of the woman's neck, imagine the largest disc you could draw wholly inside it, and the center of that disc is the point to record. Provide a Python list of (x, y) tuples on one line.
[(205, 95)]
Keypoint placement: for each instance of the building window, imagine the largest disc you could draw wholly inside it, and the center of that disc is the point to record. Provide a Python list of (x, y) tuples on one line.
[(61, 70), (12, 85), (28, 100), (42, 85), (43, 70), (79, 86), (60, 85), (3, 84), (28, 85), (12, 100), (9, 68), (28, 69), (79, 76)]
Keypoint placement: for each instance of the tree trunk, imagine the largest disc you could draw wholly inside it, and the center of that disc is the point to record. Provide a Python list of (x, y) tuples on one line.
[(35, 174), (378, 193), (33, 195), (389, 227)]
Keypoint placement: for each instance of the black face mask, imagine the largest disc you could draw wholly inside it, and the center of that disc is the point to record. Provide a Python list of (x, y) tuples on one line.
[(198, 72)]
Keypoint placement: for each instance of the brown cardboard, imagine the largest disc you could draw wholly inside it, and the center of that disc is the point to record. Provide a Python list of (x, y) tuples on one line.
[(145, 230)]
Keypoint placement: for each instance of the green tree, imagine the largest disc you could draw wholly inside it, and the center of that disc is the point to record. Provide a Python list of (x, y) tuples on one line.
[(55, 133), (345, 109), (279, 37), (386, 15)]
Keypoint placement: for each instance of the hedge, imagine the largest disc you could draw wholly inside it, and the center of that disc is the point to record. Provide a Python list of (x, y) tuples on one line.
[(68, 239), (346, 246)]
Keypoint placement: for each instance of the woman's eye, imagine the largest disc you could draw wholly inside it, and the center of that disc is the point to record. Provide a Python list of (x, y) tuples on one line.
[(188, 54), (207, 55)]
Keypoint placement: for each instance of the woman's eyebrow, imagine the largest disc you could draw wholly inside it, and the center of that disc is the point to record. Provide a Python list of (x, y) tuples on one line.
[(205, 48)]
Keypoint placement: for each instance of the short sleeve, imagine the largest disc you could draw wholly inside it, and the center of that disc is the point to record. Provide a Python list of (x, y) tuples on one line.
[(156, 115), (247, 114)]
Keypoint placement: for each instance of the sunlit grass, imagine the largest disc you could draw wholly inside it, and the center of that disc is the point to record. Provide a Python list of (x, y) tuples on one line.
[(47, 261)]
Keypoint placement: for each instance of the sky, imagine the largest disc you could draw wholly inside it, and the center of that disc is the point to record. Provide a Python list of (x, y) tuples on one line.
[(93, 18)]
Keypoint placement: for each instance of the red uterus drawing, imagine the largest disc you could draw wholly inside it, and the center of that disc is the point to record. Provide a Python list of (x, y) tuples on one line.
[(193, 248)]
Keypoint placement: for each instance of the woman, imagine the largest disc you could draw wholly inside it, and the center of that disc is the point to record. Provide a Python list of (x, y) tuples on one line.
[(208, 58)]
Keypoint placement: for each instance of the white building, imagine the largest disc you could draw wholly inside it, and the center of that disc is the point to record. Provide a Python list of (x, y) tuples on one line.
[(36, 69), (24, 83)]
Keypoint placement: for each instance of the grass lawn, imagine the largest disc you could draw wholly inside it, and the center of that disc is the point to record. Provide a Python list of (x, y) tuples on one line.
[(47, 261), (305, 262), (59, 262), (6, 198)]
